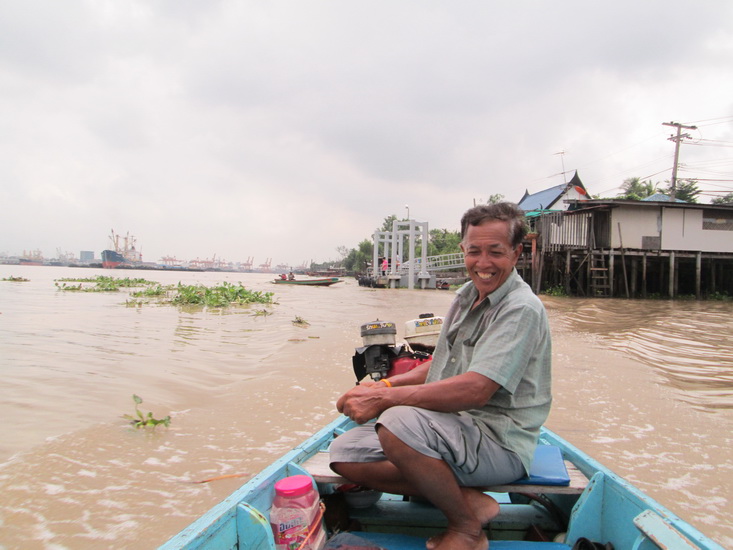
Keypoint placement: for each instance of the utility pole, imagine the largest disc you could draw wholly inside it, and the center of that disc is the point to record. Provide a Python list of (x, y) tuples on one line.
[(677, 139)]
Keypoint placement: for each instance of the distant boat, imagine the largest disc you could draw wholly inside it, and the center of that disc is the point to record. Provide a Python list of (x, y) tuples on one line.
[(31, 258), (323, 281), (124, 253), (29, 261)]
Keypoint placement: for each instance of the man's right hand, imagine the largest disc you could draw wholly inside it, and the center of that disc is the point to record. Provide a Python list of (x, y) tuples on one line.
[(362, 402)]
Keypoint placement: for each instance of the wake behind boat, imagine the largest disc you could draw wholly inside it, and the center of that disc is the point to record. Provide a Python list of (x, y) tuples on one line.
[(321, 281)]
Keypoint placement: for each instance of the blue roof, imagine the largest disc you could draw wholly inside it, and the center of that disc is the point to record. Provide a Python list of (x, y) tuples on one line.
[(659, 197), (542, 200)]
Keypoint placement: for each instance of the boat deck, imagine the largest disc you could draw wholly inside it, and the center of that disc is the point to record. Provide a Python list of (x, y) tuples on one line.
[(596, 504), (317, 466), (405, 542), (408, 523)]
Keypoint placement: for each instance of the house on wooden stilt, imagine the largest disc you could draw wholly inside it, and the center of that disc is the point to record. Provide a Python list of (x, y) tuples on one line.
[(631, 249)]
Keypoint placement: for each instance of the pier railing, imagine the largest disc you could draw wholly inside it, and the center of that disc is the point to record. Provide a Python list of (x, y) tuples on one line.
[(444, 262)]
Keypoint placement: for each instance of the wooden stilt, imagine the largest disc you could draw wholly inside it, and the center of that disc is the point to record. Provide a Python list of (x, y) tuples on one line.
[(671, 286), (643, 276)]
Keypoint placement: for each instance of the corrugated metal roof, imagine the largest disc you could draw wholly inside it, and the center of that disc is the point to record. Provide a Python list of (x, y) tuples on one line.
[(659, 197), (542, 200)]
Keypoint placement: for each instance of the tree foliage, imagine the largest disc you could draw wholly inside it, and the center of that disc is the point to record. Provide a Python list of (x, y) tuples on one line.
[(726, 199), (686, 190), (388, 221), (493, 199), (634, 189), (443, 241), (359, 259)]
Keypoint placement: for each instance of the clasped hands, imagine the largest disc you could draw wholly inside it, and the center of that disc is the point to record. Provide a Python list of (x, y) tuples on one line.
[(364, 402)]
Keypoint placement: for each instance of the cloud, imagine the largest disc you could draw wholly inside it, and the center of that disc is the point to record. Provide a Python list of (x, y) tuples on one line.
[(288, 129)]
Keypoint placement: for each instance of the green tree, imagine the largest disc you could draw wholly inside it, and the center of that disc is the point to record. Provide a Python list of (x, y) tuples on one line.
[(387, 225), (726, 199), (443, 241), (686, 190), (493, 199), (634, 189), (343, 251), (359, 259)]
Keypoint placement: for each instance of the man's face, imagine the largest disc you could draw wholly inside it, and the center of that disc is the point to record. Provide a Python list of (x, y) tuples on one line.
[(488, 255)]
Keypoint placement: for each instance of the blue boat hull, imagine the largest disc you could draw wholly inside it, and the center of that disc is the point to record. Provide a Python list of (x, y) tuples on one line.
[(609, 509)]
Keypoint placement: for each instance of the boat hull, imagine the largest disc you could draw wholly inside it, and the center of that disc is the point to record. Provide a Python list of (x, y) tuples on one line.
[(609, 509), (323, 281), (112, 260)]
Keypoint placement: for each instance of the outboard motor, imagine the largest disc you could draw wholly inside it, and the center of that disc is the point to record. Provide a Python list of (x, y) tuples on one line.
[(380, 357)]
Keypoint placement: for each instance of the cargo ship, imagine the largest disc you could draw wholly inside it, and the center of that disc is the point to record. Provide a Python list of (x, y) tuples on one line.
[(123, 254), (33, 257)]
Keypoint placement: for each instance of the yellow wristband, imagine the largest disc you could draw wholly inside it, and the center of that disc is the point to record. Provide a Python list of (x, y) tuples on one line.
[(389, 384)]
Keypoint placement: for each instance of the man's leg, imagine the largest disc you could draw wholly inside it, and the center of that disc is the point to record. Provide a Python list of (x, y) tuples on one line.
[(433, 479)]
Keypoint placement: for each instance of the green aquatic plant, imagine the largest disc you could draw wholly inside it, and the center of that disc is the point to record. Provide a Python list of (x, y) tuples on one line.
[(218, 296), (99, 287), (107, 280), (222, 295), (300, 322), (261, 313), (140, 420), (151, 291), (101, 283), (16, 279), (557, 290)]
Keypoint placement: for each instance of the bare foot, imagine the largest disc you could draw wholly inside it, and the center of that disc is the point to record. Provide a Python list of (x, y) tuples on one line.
[(456, 540), (484, 507)]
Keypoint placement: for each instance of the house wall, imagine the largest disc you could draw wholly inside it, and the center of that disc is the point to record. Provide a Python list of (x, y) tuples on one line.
[(648, 227), (570, 194), (636, 223), (682, 229)]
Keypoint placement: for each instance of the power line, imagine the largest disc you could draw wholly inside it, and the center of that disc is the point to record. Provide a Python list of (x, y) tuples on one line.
[(719, 120)]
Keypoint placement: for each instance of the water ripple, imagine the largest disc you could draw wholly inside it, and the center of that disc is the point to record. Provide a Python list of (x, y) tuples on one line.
[(687, 343)]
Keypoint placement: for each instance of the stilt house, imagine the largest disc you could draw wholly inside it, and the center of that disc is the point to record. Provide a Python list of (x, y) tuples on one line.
[(625, 248)]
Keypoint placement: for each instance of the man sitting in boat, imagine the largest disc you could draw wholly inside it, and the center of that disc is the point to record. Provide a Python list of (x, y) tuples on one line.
[(291, 277), (283, 277), (471, 416)]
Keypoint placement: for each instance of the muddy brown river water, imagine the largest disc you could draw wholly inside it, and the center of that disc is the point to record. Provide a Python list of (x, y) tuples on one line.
[(645, 387)]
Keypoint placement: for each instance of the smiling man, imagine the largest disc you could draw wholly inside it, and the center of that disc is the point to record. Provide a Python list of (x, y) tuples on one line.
[(471, 416)]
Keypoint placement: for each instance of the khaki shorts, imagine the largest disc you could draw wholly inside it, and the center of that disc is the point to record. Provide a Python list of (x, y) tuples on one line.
[(476, 459)]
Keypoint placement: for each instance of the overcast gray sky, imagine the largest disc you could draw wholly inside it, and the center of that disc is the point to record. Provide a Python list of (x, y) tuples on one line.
[(285, 129)]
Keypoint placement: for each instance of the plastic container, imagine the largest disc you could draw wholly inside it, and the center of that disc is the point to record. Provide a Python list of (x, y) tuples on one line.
[(295, 512), (424, 331)]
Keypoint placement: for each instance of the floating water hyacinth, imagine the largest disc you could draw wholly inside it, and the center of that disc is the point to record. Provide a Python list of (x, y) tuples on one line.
[(141, 420)]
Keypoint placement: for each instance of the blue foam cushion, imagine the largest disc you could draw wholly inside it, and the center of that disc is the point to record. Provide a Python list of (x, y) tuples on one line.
[(548, 468)]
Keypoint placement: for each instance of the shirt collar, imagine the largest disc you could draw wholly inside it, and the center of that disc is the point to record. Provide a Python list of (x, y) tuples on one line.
[(468, 293)]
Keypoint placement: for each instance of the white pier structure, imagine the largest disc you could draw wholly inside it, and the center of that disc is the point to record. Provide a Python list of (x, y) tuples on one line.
[(407, 273), (393, 243)]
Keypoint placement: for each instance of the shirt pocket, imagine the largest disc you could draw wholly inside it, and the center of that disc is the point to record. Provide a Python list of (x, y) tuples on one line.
[(469, 344)]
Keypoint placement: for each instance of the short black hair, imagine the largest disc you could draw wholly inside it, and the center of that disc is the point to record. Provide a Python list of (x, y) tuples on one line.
[(502, 211)]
